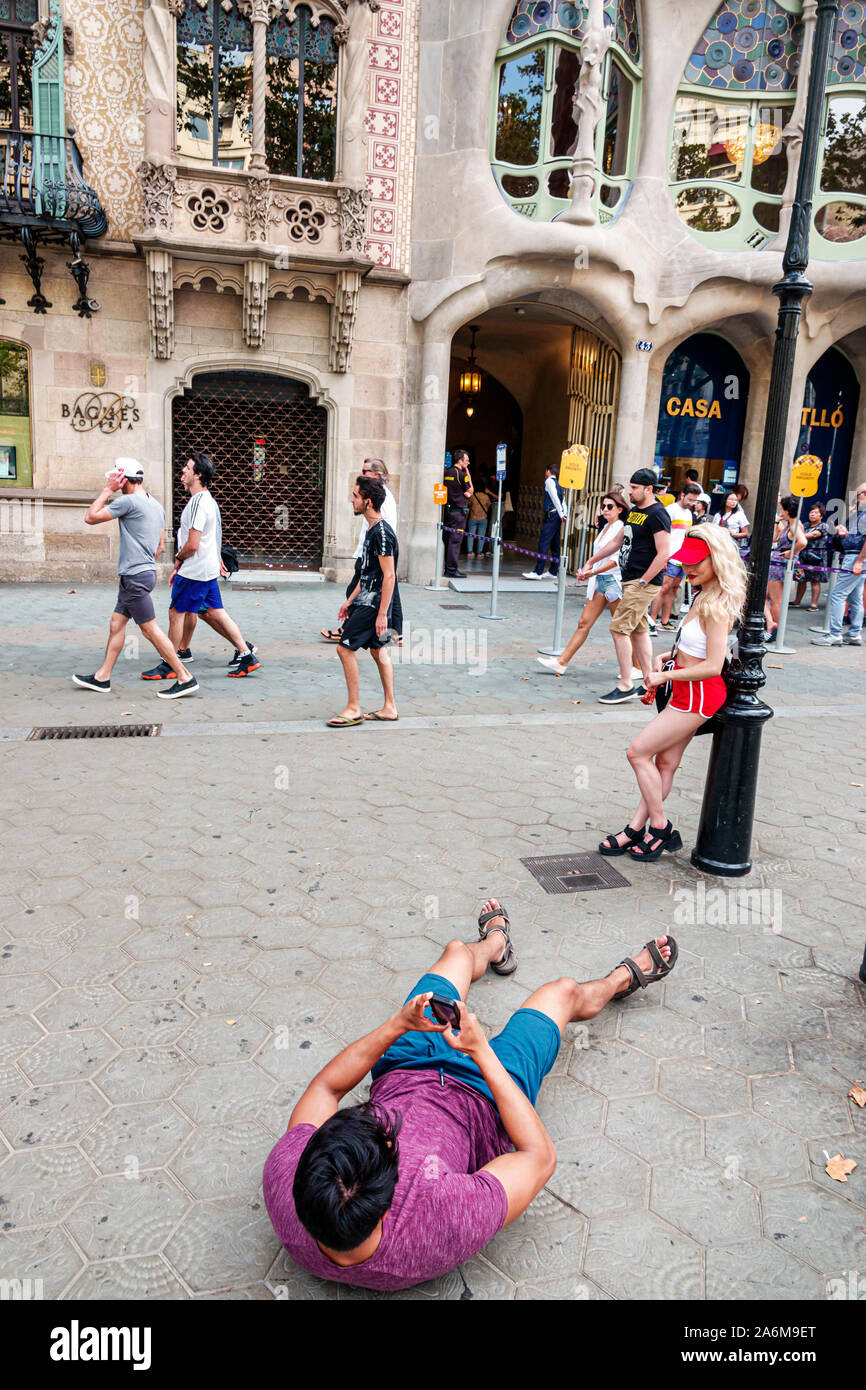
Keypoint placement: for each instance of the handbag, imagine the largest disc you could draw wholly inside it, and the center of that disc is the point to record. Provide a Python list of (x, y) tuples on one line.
[(229, 557)]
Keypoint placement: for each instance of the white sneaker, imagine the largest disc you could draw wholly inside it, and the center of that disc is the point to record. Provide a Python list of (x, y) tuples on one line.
[(825, 640), (552, 665), (850, 641), (530, 574)]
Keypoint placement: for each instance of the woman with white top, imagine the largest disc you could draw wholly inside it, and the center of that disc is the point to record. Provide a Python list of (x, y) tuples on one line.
[(717, 577), (604, 588), (735, 521)]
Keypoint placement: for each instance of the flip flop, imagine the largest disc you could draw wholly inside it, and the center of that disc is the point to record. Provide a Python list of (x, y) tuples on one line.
[(338, 723), (331, 634), (382, 718)]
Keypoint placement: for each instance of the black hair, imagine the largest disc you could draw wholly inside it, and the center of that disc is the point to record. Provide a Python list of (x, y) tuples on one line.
[(692, 474), (203, 466), (618, 500), (553, 470), (372, 490), (818, 506), (346, 1176), (789, 504), (692, 490), (458, 455)]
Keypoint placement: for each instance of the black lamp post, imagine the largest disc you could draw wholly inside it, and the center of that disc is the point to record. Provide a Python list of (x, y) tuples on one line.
[(725, 832)]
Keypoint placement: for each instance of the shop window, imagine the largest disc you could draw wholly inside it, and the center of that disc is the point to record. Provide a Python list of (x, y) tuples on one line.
[(535, 128), (15, 465)]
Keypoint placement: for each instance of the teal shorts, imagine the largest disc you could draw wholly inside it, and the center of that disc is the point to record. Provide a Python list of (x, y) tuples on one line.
[(527, 1047)]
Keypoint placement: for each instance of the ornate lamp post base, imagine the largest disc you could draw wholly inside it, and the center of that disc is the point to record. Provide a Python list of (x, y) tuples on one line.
[(724, 840)]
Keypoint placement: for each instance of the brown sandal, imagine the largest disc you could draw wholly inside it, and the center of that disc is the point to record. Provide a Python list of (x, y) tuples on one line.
[(507, 964), (661, 967)]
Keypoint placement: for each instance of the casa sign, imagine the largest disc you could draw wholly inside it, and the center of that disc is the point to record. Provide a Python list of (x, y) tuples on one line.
[(700, 409), (101, 410)]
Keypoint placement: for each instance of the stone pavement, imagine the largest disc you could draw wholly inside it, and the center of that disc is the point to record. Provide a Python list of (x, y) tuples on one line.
[(191, 925)]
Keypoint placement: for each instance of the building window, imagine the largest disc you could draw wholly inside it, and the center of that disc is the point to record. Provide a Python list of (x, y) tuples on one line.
[(15, 464), (300, 96), (535, 130), (16, 63), (840, 214), (728, 166)]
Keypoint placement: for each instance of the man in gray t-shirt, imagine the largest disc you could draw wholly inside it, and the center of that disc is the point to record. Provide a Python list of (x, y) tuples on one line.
[(142, 530)]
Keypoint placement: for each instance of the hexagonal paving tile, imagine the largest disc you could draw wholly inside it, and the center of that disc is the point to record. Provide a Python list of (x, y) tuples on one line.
[(819, 987), (704, 1001), (704, 1087), (287, 966), (614, 1069), (820, 1228), (39, 1254), (17, 1034), (282, 931), (746, 1048), (145, 1277), (348, 979), (547, 1239), (219, 1039), (120, 1216), (760, 1271), (223, 1242), (661, 1033), (73, 1009), (24, 993), (301, 1006), (294, 1057), (569, 1110), (67, 1056), (830, 1063), (595, 1177), (143, 1073), (787, 1015), (152, 1023), (800, 1105), (51, 1114), (134, 1137), (229, 1091), (223, 1161), (820, 1153), (638, 1256), (89, 967), (159, 979), (653, 1128), (697, 1197), (42, 1186), (752, 1148)]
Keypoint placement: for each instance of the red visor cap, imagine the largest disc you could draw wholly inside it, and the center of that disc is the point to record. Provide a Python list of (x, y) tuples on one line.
[(692, 551)]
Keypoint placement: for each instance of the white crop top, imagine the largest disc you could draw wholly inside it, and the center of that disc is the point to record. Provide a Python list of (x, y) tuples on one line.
[(692, 639)]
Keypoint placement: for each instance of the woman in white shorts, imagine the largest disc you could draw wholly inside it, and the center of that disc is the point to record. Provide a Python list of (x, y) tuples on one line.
[(604, 589)]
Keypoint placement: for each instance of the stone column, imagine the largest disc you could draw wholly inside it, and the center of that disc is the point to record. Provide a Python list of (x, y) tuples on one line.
[(430, 435), (353, 36), (160, 95), (587, 109), (258, 11), (793, 136), (636, 412), (160, 300)]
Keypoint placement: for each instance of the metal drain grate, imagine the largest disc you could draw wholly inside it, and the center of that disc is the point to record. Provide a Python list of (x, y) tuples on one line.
[(254, 588), (464, 607), (575, 873), (95, 731)]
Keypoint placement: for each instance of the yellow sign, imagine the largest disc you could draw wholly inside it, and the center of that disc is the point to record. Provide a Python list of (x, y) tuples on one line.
[(440, 494), (572, 466), (666, 498), (701, 409), (805, 475)]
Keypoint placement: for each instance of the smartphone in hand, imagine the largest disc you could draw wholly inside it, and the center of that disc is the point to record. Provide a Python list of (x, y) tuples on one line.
[(445, 1011)]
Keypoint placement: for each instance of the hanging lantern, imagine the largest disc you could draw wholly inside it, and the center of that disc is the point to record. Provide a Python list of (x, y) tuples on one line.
[(767, 138), (735, 147), (470, 377)]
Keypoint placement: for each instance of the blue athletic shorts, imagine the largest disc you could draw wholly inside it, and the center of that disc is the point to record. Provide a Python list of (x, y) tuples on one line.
[(527, 1047), (195, 595)]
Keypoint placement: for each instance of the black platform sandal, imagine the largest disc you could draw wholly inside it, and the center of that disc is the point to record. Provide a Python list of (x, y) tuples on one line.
[(654, 842), (610, 847)]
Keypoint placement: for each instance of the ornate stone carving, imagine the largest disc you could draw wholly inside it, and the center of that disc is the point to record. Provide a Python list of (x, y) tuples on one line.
[(306, 221), (353, 220), (259, 11), (255, 302), (587, 108), (157, 187), (159, 65), (160, 303), (258, 207), (344, 312), (354, 76), (208, 211), (40, 29)]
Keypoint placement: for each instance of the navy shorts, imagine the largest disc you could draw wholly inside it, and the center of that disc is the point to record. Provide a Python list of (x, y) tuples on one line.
[(527, 1047), (195, 595), (134, 596)]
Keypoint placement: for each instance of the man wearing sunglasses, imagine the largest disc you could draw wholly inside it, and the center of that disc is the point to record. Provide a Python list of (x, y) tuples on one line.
[(449, 1148)]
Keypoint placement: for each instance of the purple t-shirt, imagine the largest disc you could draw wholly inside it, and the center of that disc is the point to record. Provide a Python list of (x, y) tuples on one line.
[(443, 1211)]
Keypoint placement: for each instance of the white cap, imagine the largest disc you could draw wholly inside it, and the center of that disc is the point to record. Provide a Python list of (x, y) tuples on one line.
[(131, 468)]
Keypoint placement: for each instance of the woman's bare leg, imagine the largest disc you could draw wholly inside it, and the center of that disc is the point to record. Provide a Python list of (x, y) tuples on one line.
[(592, 610)]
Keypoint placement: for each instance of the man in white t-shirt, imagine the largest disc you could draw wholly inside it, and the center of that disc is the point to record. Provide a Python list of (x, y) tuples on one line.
[(197, 568), (375, 468), (681, 518)]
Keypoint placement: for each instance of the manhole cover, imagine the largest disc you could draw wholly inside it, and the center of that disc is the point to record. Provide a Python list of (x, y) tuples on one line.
[(94, 731), (575, 873)]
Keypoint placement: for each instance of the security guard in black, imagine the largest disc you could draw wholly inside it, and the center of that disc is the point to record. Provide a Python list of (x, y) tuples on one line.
[(459, 484)]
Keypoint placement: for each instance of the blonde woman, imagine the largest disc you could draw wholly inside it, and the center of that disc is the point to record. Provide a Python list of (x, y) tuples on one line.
[(717, 575)]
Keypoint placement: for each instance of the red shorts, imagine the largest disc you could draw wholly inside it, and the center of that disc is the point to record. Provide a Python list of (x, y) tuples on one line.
[(698, 697)]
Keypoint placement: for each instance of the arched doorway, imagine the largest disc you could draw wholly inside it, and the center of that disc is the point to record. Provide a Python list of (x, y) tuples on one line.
[(269, 441), (827, 421), (702, 414)]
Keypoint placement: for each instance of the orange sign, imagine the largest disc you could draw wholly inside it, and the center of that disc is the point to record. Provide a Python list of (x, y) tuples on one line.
[(440, 494), (572, 466)]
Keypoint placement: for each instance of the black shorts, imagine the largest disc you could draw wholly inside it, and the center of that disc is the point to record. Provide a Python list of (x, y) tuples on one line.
[(134, 596), (359, 629)]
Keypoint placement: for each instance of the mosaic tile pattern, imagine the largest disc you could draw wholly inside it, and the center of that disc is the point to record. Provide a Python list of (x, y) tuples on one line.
[(754, 46), (540, 16)]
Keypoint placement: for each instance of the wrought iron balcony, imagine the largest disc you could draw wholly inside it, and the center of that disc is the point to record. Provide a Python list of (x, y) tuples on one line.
[(44, 198)]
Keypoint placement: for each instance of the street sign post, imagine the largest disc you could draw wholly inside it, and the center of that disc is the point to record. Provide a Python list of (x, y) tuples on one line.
[(496, 536), (804, 483), (572, 475), (440, 497)]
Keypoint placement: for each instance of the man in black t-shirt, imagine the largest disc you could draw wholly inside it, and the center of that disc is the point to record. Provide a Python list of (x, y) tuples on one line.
[(459, 484), (644, 549), (365, 616)]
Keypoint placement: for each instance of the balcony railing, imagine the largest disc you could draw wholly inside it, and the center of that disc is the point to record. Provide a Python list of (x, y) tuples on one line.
[(44, 198)]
